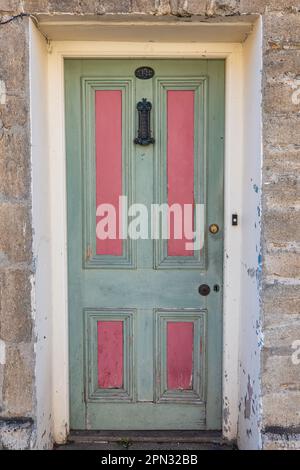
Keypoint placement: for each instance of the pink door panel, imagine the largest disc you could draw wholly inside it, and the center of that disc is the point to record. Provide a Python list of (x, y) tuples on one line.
[(110, 354), (180, 159), (109, 161), (180, 346)]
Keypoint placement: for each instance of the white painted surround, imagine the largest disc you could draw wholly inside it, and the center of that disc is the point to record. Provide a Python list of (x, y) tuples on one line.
[(243, 156)]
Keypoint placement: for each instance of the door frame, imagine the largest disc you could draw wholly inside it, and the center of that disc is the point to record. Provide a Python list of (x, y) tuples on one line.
[(234, 129)]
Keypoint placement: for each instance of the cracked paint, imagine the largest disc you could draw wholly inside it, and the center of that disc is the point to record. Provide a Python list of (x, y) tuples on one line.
[(226, 415)]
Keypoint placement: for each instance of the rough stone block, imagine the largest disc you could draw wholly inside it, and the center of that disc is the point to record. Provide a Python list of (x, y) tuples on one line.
[(281, 228), (14, 57), (187, 8), (36, 6), (281, 175), (283, 265), (18, 396), (143, 6), (280, 163), (283, 30), (162, 7), (282, 95), (280, 375), (282, 5), (286, 440), (252, 6), (222, 7), (99, 6), (63, 6), (281, 130), (280, 305), (9, 5), (15, 112), (15, 233), (282, 410), (262, 6), (15, 306), (279, 62), (16, 434), (283, 192), (279, 340), (15, 163)]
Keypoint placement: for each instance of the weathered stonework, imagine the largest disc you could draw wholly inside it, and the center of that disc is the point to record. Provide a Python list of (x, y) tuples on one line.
[(280, 295), (16, 434), (17, 357), (281, 228)]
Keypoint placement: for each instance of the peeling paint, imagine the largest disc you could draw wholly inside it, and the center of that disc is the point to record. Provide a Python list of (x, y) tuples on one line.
[(251, 272), (259, 334), (248, 400)]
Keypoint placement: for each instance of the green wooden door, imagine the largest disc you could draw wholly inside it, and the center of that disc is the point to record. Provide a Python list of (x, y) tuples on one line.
[(145, 345)]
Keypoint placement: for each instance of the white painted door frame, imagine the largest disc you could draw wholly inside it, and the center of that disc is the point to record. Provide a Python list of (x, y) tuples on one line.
[(233, 149)]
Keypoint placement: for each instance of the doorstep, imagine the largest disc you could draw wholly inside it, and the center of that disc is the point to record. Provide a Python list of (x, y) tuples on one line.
[(145, 440)]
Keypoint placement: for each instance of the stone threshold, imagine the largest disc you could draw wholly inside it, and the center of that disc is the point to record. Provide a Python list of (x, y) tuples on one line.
[(148, 436), (146, 440)]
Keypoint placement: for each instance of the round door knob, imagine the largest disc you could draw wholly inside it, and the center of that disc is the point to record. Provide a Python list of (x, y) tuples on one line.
[(204, 290), (214, 229)]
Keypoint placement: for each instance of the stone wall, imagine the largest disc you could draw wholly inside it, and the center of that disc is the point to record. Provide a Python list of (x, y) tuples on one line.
[(281, 225), (280, 197), (16, 328)]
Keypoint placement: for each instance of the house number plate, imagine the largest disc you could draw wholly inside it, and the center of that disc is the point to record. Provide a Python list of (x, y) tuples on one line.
[(144, 73)]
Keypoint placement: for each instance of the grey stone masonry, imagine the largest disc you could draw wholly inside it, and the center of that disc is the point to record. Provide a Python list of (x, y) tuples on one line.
[(280, 296)]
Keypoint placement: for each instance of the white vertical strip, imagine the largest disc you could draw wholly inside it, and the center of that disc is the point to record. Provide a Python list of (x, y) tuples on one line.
[(233, 240), (41, 279), (60, 364)]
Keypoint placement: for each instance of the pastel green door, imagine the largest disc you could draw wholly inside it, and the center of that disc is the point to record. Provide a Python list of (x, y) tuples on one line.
[(145, 243)]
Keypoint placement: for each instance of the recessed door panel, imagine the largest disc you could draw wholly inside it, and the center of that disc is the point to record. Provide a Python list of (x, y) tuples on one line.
[(180, 169), (180, 164), (108, 130)]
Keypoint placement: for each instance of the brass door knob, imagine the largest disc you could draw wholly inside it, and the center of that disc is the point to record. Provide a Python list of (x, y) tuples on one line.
[(214, 229)]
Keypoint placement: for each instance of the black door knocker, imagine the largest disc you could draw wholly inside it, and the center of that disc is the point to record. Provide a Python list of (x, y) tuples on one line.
[(144, 132)]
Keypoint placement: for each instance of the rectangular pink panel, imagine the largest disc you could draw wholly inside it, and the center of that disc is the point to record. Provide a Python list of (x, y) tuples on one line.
[(109, 163), (180, 349), (110, 354), (180, 160)]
